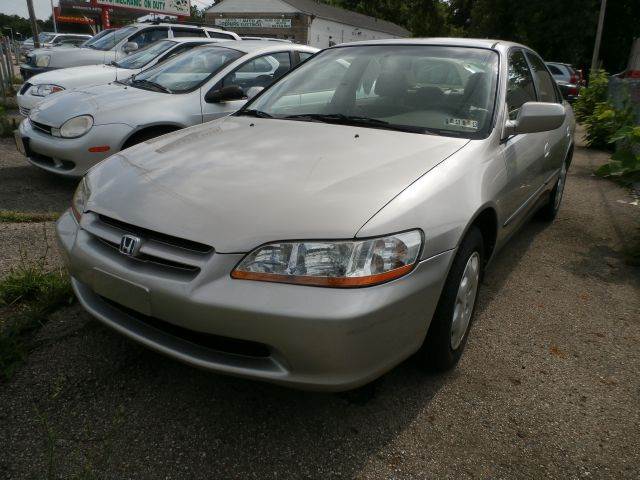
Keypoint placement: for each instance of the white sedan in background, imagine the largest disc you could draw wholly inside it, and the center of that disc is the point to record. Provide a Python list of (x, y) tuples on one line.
[(40, 86), (71, 131)]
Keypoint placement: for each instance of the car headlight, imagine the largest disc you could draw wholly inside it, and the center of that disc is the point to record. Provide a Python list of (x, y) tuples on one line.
[(339, 263), (44, 90), (80, 198), (74, 127), (43, 60)]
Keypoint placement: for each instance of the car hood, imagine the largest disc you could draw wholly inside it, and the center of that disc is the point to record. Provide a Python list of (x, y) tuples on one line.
[(239, 182), (64, 57), (99, 101), (85, 76)]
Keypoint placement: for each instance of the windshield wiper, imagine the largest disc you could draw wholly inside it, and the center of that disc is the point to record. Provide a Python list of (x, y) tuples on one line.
[(358, 121), (149, 83), (254, 113)]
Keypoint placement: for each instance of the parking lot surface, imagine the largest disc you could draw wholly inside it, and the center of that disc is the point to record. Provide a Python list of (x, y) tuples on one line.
[(547, 388)]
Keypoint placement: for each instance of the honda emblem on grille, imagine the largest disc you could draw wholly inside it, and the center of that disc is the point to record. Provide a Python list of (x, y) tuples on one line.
[(129, 245)]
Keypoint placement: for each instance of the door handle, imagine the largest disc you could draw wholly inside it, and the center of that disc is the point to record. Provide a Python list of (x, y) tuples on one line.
[(547, 150)]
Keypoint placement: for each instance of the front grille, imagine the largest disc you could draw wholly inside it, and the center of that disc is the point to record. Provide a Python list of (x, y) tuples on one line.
[(180, 258), (41, 127), (25, 111), (24, 89), (153, 258), (160, 237), (228, 345)]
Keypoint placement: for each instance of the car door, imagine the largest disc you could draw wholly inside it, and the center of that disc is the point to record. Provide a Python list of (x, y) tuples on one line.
[(522, 153), (556, 141), (259, 71)]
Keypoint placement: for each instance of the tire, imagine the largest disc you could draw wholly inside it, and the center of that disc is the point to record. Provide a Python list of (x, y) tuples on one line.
[(451, 322), (550, 209)]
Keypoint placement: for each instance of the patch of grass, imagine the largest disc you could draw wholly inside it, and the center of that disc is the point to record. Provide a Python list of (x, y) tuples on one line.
[(10, 216), (28, 295)]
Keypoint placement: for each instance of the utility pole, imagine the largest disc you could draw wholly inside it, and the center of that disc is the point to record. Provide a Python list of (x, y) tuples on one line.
[(596, 47), (34, 24), (53, 16)]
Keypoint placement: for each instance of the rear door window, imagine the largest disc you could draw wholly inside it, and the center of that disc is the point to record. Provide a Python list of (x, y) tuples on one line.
[(223, 36), (188, 32)]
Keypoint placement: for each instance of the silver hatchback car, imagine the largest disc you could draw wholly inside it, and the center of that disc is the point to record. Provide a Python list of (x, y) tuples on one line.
[(337, 224)]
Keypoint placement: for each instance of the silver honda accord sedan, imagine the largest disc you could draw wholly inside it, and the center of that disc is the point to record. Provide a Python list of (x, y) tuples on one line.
[(337, 224)]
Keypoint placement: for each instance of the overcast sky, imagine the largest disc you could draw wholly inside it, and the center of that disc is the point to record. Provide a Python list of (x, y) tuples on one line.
[(43, 7), (19, 7)]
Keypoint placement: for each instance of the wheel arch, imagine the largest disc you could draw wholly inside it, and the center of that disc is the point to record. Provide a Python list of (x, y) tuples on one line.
[(142, 130), (486, 220)]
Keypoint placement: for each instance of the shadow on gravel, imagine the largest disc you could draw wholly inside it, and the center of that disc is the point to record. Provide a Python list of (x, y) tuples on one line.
[(29, 189)]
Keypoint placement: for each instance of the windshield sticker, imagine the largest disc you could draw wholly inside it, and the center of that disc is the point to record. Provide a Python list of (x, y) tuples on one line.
[(462, 122)]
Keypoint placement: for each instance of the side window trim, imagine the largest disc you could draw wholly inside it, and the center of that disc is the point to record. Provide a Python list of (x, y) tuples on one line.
[(535, 77), (510, 52)]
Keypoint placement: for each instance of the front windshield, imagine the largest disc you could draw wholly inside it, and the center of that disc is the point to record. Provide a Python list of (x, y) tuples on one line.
[(112, 39), (187, 71), (140, 58), (417, 88)]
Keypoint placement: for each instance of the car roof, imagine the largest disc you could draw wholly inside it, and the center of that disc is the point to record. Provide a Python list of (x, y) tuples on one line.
[(182, 25), (446, 41), (195, 39), (250, 46)]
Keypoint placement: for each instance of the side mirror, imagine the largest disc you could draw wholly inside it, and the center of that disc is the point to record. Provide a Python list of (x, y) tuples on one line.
[(130, 47), (536, 117), (253, 91), (225, 94)]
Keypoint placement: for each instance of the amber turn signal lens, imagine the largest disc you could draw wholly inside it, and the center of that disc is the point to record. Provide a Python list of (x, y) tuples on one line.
[(341, 282)]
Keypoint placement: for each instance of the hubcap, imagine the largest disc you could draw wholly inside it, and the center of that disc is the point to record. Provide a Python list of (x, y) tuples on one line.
[(560, 187), (465, 300)]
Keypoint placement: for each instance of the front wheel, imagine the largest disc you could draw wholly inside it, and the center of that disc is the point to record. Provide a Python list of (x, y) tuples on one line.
[(449, 329)]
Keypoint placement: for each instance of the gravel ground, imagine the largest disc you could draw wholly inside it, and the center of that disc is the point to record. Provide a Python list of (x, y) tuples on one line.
[(26, 188), (548, 386)]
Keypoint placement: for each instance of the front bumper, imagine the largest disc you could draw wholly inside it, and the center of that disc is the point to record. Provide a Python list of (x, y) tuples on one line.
[(305, 337), (71, 156)]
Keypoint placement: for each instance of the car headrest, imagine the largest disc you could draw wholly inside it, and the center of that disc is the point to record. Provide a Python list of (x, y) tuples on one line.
[(391, 84)]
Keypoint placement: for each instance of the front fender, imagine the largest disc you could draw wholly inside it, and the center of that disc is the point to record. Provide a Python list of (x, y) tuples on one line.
[(445, 201)]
